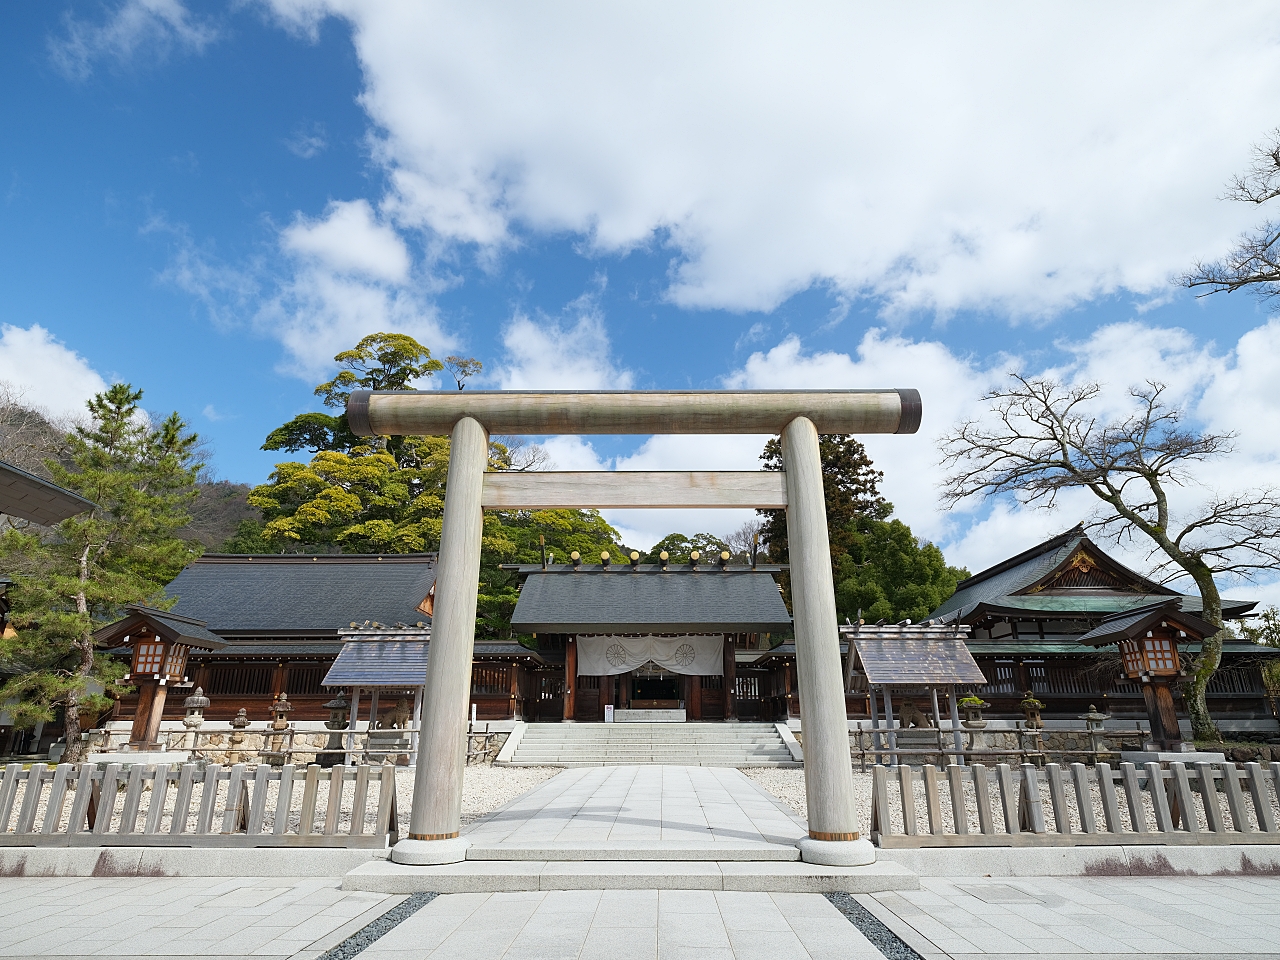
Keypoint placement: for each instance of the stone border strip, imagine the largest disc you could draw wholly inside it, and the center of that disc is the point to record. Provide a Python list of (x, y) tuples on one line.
[(380, 927), (871, 927)]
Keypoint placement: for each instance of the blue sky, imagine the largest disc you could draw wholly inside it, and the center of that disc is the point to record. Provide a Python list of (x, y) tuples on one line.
[(209, 199)]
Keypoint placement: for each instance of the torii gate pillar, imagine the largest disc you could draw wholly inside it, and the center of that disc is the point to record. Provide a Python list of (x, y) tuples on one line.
[(436, 817), (828, 772)]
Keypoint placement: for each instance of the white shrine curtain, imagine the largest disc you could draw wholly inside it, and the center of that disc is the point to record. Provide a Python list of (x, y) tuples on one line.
[(605, 656)]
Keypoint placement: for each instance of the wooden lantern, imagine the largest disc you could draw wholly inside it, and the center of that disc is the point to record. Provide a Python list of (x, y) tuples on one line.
[(159, 643), (1148, 639), (157, 664)]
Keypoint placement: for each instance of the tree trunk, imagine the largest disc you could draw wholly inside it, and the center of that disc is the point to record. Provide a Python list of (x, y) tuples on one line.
[(1203, 726), (71, 711)]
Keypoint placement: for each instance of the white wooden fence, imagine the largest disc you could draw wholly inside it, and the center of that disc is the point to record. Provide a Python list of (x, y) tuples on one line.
[(1008, 806), (198, 805)]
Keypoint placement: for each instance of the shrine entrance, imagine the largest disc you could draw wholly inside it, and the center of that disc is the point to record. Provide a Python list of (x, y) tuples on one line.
[(798, 416), (654, 690)]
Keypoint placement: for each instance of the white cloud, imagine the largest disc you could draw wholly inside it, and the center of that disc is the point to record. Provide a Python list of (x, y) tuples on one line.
[(352, 275), (133, 28), (46, 373), (949, 388), (572, 453), (569, 354), (307, 141), (350, 240), (1012, 158), (1231, 391), (316, 314)]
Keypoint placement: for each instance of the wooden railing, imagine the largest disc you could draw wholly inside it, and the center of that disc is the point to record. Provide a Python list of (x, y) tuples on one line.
[(1007, 806), (198, 805)]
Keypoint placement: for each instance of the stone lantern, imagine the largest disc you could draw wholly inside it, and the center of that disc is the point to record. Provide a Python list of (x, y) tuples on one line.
[(280, 710), (1148, 639), (1031, 708), (973, 707), (339, 719), (195, 706), (1093, 728), (238, 723)]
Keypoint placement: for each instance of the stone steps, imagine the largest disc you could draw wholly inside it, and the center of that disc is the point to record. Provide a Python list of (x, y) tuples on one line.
[(692, 744), (771, 876), (575, 851)]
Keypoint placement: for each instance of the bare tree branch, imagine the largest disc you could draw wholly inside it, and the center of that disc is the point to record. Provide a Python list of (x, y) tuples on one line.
[(1043, 438), (1254, 262)]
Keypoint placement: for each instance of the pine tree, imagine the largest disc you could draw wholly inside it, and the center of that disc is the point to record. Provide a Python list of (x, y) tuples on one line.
[(81, 574)]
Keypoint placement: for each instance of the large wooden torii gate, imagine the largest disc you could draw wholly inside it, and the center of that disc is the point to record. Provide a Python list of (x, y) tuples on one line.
[(799, 416)]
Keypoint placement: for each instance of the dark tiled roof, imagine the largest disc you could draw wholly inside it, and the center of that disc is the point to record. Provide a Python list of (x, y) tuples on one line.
[(279, 649), (175, 629), (28, 497), (626, 602), (302, 595), (379, 663), (1133, 623), (917, 660)]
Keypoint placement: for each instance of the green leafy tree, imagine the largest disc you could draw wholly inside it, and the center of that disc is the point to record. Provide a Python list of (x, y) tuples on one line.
[(380, 361), (360, 501), (889, 574), (679, 547), (880, 569), (80, 575), (850, 483), (1266, 631), (520, 537)]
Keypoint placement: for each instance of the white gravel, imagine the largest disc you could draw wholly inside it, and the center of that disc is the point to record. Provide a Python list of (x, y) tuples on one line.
[(484, 788)]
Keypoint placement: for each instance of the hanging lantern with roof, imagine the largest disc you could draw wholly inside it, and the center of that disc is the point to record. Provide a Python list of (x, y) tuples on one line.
[(1148, 639)]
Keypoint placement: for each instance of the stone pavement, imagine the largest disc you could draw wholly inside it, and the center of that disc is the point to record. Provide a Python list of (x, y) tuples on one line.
[(1227, 918), (1223, 917), (716, 808), (625, 925), (66, 917)]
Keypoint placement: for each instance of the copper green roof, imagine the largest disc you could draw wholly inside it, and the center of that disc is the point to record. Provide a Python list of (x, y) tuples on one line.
[(1027, 586)]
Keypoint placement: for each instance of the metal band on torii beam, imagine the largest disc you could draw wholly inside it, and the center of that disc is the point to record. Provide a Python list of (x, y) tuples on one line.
[(434, 412)]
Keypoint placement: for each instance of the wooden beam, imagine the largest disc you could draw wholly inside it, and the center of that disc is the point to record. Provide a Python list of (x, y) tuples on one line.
[(434, 412), (619, 489)]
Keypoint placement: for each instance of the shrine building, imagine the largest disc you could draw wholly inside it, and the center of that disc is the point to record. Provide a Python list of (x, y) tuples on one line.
[(655, 641), (1027, 615)]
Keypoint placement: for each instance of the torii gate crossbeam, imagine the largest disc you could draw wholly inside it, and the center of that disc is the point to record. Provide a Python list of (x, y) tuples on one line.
[(798, 416)]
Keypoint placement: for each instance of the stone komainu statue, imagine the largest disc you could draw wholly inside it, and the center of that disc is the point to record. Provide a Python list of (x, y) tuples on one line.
[(909, 715), (397, 718)]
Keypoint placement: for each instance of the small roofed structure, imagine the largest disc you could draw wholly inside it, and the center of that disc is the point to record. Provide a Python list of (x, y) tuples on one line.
[(925, 655), (27, 497), (160, 643), (1148, 639), (916, 659), (389, 666)]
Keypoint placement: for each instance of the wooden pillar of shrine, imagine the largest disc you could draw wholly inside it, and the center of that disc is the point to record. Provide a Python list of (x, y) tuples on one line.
[(570, 677)]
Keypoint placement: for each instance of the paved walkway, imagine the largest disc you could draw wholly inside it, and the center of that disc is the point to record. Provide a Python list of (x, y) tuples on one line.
[(625, 925), (638, 805), (67, 917), (1099, 917)]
